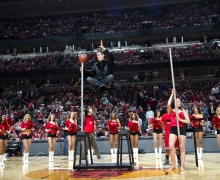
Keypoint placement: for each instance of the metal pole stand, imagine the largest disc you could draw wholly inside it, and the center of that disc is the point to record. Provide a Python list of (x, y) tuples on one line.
[(195, 148)]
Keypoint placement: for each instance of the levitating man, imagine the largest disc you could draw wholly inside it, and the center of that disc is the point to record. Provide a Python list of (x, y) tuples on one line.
[(101, 74)]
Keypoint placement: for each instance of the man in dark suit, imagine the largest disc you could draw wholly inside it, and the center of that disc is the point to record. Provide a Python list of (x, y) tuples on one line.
[(101, 74)]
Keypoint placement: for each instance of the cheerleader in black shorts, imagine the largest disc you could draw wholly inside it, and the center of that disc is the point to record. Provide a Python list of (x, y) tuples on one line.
[(71, 127), (134, 127), (198, 128), (216, 124), (4, 127), (27, 126), (156, 124), (51, 129), (183, 120), (113, 126)]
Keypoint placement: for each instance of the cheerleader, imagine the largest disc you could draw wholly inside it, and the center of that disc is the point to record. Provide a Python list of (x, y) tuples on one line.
[(27, 126), (113, 126), (216, 124), (51, 129), (156, 124), (183, 119), (134, 127), (198, 128), (71, 127), (4, 128)]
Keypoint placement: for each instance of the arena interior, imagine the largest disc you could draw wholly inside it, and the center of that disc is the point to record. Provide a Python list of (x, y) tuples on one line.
[(40, 44)]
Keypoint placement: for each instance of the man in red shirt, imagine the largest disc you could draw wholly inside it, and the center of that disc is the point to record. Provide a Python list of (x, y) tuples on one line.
[(31, 106), (166, 123), (40, 118), (89, 127)]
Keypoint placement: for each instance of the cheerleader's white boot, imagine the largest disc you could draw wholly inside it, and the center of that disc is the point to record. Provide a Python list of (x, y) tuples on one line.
[(1, 160), (112, 153), (26, 159), (198, 154), (72, 153), (156, 153), (160, 152), (116, 152), (51, 156), (70, 156), (136, 154), (201, 151)]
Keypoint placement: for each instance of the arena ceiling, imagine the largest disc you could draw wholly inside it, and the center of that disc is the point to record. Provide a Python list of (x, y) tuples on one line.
[(23, 8)]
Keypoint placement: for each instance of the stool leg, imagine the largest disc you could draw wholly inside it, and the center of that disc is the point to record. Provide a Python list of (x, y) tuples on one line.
[(121, 150), (118, 150), (86, 151), (74, 161), (80, 152), (130, 150)]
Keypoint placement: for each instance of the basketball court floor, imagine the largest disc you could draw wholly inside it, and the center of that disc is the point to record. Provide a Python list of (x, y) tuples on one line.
[(146, 168)]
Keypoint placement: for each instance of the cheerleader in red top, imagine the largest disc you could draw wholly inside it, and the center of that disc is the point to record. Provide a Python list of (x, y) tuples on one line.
[(198, 128), (51, 129), (27, 126), (166, 120), (134, 128), (156, 124), (216, 124), (183, 120), (113, 126), (71, 127), (4, 128)]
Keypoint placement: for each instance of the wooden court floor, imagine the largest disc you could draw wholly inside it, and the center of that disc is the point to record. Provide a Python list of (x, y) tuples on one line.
[(147, 168)]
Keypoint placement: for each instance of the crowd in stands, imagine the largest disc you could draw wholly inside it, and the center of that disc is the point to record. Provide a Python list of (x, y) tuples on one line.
[(125, 57), (53, 26), (214, 6), (38, 62), (196, 52), (117, 21), (180, 15), (123, 99)]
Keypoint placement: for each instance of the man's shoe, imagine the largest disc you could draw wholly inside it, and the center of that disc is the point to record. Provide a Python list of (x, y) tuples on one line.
[(101, 158), (179, 162), (83, 161), (107, 86), (166, 162), (95, 88)]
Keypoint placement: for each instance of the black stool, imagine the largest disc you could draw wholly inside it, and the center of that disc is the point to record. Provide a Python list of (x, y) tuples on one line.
[(119, 164), (126, 134), (82, 137)]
